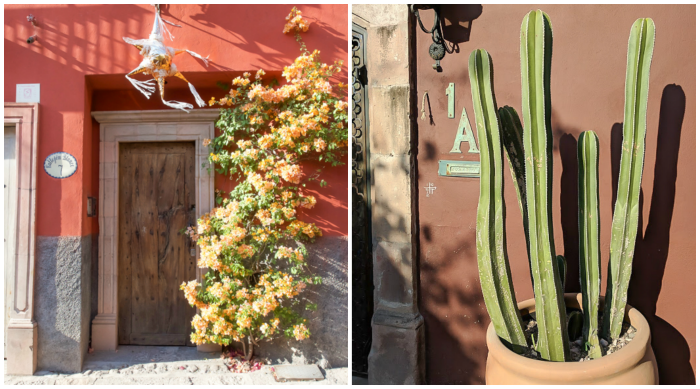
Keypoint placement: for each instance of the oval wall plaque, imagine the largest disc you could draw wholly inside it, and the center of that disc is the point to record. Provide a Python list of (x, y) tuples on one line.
[(60, 165)]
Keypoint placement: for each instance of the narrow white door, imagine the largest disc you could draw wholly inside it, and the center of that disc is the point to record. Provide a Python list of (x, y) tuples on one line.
[(10, 193)]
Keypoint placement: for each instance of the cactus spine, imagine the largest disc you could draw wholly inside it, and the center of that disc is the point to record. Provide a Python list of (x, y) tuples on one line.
[(535, 66), (589, 237), (626, 213), (492, 259)]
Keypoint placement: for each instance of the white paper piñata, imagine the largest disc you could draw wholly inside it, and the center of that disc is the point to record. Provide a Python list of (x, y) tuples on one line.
[(158, 62)]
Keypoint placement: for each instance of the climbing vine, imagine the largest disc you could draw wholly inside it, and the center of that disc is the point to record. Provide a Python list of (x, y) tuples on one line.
[(253, 242)]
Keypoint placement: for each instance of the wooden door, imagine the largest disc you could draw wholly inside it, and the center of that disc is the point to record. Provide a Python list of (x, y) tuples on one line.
[(156, 202), (10, 190)]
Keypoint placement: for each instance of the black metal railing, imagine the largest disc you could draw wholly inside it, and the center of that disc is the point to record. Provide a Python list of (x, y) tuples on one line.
[(362, 283)]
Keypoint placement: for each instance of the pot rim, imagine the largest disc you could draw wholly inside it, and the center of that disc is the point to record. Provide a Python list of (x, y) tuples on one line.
[(621, 360)]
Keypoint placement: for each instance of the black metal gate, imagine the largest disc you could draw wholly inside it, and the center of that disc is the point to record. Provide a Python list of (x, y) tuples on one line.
[(362, 283)]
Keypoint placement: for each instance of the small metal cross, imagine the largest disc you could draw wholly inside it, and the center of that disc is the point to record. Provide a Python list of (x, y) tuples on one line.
[(429, 189)]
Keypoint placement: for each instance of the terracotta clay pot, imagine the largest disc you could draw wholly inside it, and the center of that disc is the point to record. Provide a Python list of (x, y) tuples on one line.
[(633, 364)]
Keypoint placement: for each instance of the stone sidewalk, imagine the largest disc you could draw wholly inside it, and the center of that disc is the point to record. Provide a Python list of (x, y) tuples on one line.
[(141, 365)]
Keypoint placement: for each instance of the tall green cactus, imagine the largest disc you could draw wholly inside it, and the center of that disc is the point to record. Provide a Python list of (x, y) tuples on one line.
[(535, 66), (589, 237), (492, 259), (626, 213)]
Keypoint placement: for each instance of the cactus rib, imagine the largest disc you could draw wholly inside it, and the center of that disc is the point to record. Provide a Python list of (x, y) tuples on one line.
[(626, 213), (494, 268), (535, 60), (589, 237)]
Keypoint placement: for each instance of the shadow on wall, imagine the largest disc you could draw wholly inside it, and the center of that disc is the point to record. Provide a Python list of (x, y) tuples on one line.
[(651, 252), (212, 16), (328, 324), (436, 296), (80, 55), (568, 199)]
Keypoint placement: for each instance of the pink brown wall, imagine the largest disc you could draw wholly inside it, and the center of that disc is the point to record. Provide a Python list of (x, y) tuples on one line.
[(588, 73), (80, 60)]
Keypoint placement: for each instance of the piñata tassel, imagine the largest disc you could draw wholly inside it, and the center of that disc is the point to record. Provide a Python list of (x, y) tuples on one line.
[(199, 100), (192, 53)]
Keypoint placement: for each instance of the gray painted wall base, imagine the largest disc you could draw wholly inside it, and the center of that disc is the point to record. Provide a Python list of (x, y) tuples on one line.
[(62, 301), (328, 344)]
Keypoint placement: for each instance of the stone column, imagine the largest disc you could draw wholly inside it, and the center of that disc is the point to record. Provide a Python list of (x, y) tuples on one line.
[(22, 329), (398, 342)]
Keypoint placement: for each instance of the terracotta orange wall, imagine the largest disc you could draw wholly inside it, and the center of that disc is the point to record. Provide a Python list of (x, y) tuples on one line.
[(587, 88), (80, 60)]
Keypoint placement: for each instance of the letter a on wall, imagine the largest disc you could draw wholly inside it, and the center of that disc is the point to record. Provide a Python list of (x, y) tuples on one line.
[(464, 134)]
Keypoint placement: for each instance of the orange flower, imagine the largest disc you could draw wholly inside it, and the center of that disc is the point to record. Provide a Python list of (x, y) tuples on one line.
[(295, 22), (301, 332), (291, 173), (308, 202), (319, 144)]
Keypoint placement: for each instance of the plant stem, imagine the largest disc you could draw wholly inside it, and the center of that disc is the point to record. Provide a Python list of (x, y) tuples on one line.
[(249, 355)]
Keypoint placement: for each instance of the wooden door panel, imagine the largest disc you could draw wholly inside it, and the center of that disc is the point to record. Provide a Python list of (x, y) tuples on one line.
[(156, 203), (144, 246), (172, 249)]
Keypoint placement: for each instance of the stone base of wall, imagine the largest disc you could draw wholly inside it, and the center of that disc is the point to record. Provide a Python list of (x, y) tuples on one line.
[(328, 344), (398, 343), (62, 301)]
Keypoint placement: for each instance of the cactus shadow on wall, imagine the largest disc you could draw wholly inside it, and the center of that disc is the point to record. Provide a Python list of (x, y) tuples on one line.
[(568, 150), (652, 248), (651, 253)]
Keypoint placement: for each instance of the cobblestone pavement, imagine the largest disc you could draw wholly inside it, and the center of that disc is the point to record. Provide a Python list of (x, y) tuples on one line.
[(139, 365)]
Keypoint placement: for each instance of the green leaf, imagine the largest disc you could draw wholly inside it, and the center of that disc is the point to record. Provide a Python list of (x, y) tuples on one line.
[(223, 86)]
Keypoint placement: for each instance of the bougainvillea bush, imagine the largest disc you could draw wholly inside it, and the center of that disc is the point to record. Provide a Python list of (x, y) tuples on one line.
[(253, 241)]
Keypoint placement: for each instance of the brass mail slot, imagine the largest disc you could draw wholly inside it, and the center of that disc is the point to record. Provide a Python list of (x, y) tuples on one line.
[(458, 169)]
